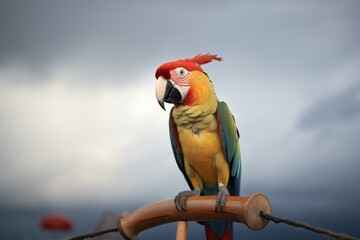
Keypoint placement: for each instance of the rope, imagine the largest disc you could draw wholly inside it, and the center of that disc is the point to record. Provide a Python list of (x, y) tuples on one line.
[(93, 234), (308, 227)]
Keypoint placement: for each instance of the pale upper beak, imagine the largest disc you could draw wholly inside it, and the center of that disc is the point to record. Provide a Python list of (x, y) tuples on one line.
[(160, 89)]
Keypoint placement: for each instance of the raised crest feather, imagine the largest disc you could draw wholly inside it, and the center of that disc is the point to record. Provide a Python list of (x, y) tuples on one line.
[(191, 64), (204, 58)]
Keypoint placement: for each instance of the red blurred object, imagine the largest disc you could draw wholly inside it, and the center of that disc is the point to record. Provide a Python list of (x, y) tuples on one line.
[(56, 223)]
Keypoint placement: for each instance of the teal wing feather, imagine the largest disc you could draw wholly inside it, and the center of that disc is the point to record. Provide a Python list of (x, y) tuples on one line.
[(231, 146), (176, 147)]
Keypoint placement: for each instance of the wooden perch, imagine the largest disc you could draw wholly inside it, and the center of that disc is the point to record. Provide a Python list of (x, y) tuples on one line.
[(244, 210)]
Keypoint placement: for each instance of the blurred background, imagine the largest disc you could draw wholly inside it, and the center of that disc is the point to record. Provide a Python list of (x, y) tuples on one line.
[(81, 131)]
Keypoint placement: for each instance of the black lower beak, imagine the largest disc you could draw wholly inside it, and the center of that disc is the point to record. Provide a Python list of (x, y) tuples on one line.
[(172, 94), (161, 103)]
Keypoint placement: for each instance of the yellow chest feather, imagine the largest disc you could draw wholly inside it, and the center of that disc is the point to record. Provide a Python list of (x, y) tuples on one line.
[(202, 144)]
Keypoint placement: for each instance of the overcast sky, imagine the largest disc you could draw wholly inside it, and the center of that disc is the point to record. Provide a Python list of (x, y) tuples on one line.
[(79, 121)]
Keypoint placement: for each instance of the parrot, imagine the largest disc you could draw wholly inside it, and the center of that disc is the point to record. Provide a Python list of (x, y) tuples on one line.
[(203, 135)]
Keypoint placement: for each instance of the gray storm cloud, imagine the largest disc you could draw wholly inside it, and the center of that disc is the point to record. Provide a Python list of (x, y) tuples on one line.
[(339, 108)]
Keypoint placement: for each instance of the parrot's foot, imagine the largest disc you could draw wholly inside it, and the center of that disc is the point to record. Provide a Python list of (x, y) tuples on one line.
[(181, 198), (221, 198)]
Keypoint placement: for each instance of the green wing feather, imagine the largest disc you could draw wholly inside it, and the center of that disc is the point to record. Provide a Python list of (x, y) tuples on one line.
[(231, 146)]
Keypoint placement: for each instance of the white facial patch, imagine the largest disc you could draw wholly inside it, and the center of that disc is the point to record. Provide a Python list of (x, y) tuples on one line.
[(180, 76)]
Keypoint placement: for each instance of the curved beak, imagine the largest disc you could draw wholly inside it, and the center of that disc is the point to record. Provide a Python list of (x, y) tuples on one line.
[(167, 92), (160, 90)]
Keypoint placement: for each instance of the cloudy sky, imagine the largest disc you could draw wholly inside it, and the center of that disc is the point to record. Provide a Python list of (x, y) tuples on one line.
[(80, 123)]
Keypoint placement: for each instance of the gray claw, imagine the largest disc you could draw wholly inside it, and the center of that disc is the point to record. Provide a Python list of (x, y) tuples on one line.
[(221, 198), (180, 199)]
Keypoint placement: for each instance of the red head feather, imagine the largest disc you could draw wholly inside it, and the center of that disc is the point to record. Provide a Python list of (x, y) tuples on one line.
[(189, 64)]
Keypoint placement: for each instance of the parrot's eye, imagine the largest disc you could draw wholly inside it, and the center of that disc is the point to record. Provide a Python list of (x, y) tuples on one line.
[(181, 72), (180, 76)]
